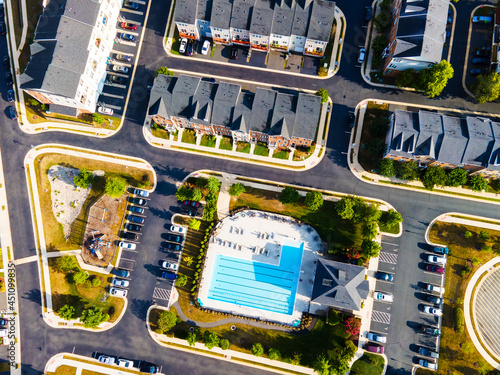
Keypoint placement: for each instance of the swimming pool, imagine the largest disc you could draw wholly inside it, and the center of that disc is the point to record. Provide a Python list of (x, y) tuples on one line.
[(258, 285)]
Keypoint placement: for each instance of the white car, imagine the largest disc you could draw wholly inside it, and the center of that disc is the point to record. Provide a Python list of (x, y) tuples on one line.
[(205, 48), (362, 55), (118, 292), (4, 332), (170, 266), (182, 48), (426, 364), (125, 363), (127, 245), (105, 110), (107, 360), (119, 68), (177, 229), (436, 260), (432, 310), (435, 288), (377, 337), (120, 282), (383, 296)]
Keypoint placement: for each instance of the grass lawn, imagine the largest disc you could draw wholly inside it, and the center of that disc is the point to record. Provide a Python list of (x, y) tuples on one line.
[(160, 132), (388, 229), (54, 236), (64, 370), (226, 143), (367, 160), (301, 154), (368, 364), (88, 372), (457, 350), (188, 136), (82, 295), (208, 141), (281, 154), (261, 150), (327, 223), (243, 147)]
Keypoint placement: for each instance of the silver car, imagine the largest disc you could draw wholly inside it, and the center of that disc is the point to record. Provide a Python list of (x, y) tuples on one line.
[(120, 282)]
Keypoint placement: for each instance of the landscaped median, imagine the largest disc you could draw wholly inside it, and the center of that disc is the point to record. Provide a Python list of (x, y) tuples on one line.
[(72, 364), (65, 184)]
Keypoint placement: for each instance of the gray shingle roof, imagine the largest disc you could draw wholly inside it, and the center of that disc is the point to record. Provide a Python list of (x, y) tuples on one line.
[(430, 135), (182, 95), (242, 14), (160, 98), (321, 22), (262, 110), (283, 17), (186, 11), (203, 102), (262, 17), (243, 112), (301, 16), (283, 118), (454, 141), (224, 102), (404, 133), (221, 14), (339, 285), (204, 9), (480, 143), (494, 160), (307, 115)]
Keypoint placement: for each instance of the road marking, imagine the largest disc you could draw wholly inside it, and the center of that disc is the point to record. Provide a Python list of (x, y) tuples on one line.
[(113, 95), (122, 53), (30, 259), (126, 42), (115, 85), (388, 257), (381, 317), (161, 293), (116, 107), (112, 72), (132, 11)]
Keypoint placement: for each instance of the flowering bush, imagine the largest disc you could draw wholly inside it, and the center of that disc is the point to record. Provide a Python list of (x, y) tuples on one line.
[(353, 325)]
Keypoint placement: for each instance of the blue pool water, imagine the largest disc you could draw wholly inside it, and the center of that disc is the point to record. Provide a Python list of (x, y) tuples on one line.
[(258, 285)]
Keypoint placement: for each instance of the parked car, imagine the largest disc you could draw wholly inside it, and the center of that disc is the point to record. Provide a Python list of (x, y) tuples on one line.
[(480, 61), (377, 337), (368, 13), (107, 359), (436, 260), (139, 201), (174, 238), (139, 210), (434, 299), (477, 71), (170, 266), (427, 364), (136, 219), (177, 229), (142, 193), (205, 48), (130, 5), (440, 250), (127, 245), (361, 56), (127, 363), (189, 49), (432, 310), (4, 332), (173, 246), (481, 19), (428, 330), (482, 53), (117, 292), (117, 79), (435, 269), (105, 110), (8, 79), (427, 352), (183, 46), (384, 276), (133, 227), (3, 29), (12, 113), (189, 211), (234, 53), (386, 297), (120, 282), (168, 275), (434, 288), (350, 119), (121, 69), (191, 203), (149, 368), (6, 62), (129, 26), (3, 322), (375, 349), (130, 236), (120, 273), (128, 37), (10, 96), (122, 57)]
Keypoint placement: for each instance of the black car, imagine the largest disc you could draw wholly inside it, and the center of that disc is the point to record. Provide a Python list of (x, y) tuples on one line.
[(428, 330), (189, 211), (130, 236), (120, 273), (234, 53), (434, 299), (173, 246), (368, 13), (139, 210), (117, 79), (477, 71), (12, 112), (189, 50), (3, 30), (8, 79), (123, 57), (350, 119), (384, 276), (6, 62), (139, 201), (149, 368), (133, 227), (10, 96), (174, 238), (480, 61), (482, 53)]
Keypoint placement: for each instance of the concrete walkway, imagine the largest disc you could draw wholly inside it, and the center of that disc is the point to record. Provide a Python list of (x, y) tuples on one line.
[(85, 363)]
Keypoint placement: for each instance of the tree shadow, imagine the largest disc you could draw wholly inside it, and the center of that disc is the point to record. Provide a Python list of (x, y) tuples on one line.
[(33, 295), (139, 308)]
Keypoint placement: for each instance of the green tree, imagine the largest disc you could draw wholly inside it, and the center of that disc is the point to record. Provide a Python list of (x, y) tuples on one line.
[(96, 282), (236, 189), (296, 359), (378, 45), (467, 234), (385, 4), (345, 208), (115, 186), (433, 176), (167, 320), (366, 212), (80, 277), (391, 218), (314, 200), (224, 344), (258, 349), (213, 184), (66, 263), (211, 339), (375, 146), (98, 119), (289, 195), (386, 167), (93, 316), (181, 280), (434, 79), (163, 70), (457, 177), (189, 260), (370, 249), (478, 183), (184, 193), (83, 179), (407, 170), (196, 195), (369, 230), (475, 261), (382, 21), (67, 312), (322, 365), (407, 78), (484, 235), (273, 354), (194, 224), (487, 87), (379, 127), (193, 337), (323, 93)]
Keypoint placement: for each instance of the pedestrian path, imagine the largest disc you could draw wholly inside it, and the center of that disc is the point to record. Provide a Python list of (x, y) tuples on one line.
[(475, 223), (81, 363), (30, 259)]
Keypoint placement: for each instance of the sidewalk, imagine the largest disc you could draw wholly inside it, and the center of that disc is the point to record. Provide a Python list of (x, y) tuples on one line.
[(82, 363)]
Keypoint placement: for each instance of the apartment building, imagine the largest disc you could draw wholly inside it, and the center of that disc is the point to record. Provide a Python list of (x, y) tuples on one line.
[(280, 120), (429, 138), (70, 48), (417, 35)]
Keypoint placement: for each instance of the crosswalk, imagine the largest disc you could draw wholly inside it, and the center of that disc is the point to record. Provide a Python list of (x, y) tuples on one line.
[(388, 257), (381, 317), (160, 293)]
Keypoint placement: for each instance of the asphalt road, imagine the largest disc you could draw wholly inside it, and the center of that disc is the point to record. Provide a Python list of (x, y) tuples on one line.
[(130, 338)]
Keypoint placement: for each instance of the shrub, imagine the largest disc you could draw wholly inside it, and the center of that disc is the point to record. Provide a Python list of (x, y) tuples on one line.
[(475, 261), (467, 234), (407, 170), (181, 280), (289, 195), (115, 186), (98, 119), (194, 224), (369, 230), (258, 349), (193, 337), (196, 195), (163, 70), (274, 354), (236, 189), (314, 200), (93, 316), (458, 319), (96, 282), (183, 193), (211, 339), (80, 277), (434, 176), (386, 167), (83, 179), (333, 317), (213, 184), (323, 93), (370, 249), (353, 325), (457, 177), (67, 312), (478, 183), (66, 263), (167, 320), (224, 344), (483, 235)]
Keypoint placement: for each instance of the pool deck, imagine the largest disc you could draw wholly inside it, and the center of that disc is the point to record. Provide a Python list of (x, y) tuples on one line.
[(258, 237)]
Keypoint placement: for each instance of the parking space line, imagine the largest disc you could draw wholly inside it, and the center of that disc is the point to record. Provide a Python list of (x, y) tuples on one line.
[(140, 2), (134, 33), (115, 85), (126, 43), (118, 52), (115, 107), (117, 74), (132, 11), (113, 95), (130, 21)]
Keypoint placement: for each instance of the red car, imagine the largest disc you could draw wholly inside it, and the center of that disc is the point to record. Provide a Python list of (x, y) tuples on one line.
[(435, 269), (129, 26), (191, 203)]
